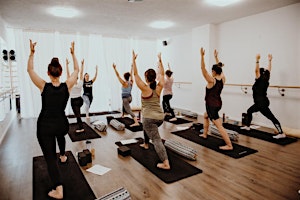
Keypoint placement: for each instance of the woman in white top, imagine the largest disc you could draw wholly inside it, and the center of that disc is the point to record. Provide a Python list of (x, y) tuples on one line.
[(75, 95)]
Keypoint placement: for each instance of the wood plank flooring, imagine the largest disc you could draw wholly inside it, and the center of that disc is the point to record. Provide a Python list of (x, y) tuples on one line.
[(271, 173)]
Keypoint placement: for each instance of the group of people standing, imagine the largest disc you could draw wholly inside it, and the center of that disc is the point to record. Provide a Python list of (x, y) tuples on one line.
[(52, 123)]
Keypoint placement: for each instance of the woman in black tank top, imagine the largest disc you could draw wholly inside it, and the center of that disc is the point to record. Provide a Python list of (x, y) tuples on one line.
[(52, 122), (213, 102)]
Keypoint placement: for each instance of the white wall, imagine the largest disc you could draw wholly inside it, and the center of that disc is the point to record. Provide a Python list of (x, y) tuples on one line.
[(238, 42)]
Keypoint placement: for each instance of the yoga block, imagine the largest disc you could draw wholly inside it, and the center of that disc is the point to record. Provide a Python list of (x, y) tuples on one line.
[(124, 151), (88, 155), (82, 159), (197, 126), (108, 118)]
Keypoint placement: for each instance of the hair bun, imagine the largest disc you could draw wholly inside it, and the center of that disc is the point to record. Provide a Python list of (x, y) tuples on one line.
[(55, 62), (220, 64)]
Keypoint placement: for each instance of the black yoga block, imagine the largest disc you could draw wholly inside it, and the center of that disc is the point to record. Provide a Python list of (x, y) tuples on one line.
[(88, 155), (197, 126), (108, 118), (82, 159), (124, 151)]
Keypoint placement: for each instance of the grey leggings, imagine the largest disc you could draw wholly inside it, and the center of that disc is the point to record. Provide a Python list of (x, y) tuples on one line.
[(151, 132), (126, 106)]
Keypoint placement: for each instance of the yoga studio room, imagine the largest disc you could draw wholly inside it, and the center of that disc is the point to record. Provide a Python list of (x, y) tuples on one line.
[(150, 100)]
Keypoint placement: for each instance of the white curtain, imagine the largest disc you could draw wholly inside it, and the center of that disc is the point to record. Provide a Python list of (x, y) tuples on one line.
[(95, 50)]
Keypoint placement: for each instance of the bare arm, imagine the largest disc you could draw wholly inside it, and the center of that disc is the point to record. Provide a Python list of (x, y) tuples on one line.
[(206, 75), (67, 68), (118, 75), (81, 70), (146, 91), (38, 81), (161, 80), (216, 56), (131, 74), (270, 57), (73, 78), (96, 74), (257, 73)]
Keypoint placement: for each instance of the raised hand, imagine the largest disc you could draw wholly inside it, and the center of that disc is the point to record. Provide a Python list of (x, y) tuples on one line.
[(72, 48), (257, 57), (270, 57), (202, 51), (32, 46)]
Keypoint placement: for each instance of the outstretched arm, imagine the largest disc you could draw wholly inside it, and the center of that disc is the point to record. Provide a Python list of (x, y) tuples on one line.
[(270, 57), (161, 80), (139, 82), (38, 81), (131, 74), (67, 68), (118, 75), (205, 74), (81, 70), (257, 73), (73, 78), (96, 74), (216, 53)]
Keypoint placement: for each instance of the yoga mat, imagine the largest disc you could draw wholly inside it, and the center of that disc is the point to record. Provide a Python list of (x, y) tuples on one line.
[(260, 134), (128, 121), (88, 133), (178, 121), (149, 159), (213, 143), (75, 185)]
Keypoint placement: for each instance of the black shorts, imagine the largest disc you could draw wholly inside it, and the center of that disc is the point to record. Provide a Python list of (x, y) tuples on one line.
[(213, 112)]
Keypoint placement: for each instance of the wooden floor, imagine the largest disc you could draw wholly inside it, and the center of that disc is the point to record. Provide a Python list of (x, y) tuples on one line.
[(271, 173)]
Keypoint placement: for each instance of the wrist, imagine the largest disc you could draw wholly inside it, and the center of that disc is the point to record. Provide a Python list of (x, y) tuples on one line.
[(257, 61)]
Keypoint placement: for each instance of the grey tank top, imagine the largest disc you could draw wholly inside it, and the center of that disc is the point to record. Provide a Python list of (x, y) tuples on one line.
[(151, 107)]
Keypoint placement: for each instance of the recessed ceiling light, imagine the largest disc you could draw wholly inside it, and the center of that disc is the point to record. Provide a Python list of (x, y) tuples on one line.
[(221, 2), (64, 12), (161, 24)]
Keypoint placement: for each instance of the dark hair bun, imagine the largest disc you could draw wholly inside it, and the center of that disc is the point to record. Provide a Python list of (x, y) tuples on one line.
[(55, 62)]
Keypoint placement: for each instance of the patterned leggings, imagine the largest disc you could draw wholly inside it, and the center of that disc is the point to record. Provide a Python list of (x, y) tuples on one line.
[(151, 132)]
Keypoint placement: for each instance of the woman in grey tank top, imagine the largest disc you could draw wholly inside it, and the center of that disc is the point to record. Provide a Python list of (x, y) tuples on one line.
[(152, 114)]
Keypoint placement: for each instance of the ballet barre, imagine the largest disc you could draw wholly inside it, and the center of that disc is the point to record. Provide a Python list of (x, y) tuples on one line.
[(281, 89), (178, 83)]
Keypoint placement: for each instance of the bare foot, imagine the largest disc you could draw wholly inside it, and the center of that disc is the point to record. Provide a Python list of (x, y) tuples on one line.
[(226, 147), (135, 124), (204, 136), (63, 158), (163, 166), (57, 193), (145, 146)]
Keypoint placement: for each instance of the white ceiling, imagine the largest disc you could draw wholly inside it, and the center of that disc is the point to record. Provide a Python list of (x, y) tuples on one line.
[(120, 18)]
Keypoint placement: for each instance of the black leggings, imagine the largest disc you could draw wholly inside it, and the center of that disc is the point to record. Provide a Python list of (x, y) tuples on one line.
[(76, 104), (263, 107), (49, 131), (166, 104)]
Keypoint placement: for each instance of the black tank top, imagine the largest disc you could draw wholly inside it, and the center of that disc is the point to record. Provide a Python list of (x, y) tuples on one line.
[(213, 95), (88, 87), (259, 89), (54, 101)]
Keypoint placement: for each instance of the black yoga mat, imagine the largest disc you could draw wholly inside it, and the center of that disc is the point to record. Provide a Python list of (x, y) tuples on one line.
[(260, 134), (75, 186), (178, 121), (128, 121), (213, 143), (88, 133), (149, 159)]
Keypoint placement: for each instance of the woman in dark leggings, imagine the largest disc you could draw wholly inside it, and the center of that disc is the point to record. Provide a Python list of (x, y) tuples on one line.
[(52, 123), (168, 94), (261, 101), (152, 114), (75, 95)]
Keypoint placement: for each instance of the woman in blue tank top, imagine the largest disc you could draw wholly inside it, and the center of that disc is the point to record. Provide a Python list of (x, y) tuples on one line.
[(52, 123), (126, 94)]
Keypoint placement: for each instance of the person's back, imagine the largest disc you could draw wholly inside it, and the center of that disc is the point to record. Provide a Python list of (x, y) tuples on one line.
[(213, 95), (151, 107)]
